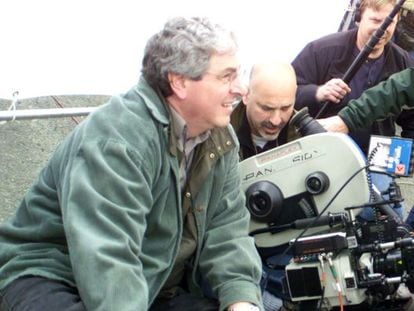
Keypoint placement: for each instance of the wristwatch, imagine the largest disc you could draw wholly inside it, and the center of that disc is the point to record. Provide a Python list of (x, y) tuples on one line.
[(245, 308)]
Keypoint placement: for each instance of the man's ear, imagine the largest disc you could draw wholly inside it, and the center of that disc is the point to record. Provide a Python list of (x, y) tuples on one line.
[(178, 85), (246, 97)]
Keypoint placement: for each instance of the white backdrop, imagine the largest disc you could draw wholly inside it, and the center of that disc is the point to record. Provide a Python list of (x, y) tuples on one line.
[(62, 47)]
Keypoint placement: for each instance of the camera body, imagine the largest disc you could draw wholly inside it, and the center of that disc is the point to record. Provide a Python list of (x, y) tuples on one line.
[(297, 180)]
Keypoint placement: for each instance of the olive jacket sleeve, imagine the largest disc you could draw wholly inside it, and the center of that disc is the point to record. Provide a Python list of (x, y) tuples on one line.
[(383, 100)]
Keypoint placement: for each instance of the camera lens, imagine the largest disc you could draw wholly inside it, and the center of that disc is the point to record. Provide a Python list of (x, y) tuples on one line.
[(390, 264), (260, 202), (264, 201)]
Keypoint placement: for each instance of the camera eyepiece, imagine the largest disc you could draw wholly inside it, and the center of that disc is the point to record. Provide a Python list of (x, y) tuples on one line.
[(305, 124)]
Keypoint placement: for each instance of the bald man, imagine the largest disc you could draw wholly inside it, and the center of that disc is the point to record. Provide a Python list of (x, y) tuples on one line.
[(261, 121)]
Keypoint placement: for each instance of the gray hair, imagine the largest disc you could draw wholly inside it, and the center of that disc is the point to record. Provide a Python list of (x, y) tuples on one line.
[(184, 47)]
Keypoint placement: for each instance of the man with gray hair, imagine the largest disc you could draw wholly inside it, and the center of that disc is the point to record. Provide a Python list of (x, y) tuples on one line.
[(141, 208)]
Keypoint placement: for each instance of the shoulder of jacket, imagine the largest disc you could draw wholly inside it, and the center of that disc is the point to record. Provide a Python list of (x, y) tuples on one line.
[(237, 115), (335, 38)]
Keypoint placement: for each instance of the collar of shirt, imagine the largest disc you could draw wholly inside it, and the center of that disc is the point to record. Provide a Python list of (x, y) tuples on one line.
[(367, 75), (179, 128), (260, 141), (185, 146)]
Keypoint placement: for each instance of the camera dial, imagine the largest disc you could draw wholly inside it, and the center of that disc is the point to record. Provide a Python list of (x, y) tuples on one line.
[(317, 182)]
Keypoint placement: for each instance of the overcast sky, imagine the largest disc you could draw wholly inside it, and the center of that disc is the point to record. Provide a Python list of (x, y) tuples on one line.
[(61, 47)]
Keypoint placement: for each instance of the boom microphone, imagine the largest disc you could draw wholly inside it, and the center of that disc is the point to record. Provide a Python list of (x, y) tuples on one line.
[(369, 46)]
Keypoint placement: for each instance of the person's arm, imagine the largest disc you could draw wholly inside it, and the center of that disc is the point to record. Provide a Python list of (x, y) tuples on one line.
[(333, 91), (306, 70), (229, 259), (334, 124), (387, 98), (105, 198), (313, 90)]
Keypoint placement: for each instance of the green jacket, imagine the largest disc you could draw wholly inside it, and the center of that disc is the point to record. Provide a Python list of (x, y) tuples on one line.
[(105, 214), (387, 98)]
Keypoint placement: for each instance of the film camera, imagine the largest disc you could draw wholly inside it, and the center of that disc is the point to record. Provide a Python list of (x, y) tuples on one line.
[(307, 195)]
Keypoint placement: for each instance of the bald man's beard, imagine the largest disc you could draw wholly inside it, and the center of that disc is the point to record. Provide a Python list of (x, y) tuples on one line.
[(274, 128)]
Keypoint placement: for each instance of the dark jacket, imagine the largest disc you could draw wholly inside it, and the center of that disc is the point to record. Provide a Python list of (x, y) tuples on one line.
[(242, 128), (330, 57), (404, 33)]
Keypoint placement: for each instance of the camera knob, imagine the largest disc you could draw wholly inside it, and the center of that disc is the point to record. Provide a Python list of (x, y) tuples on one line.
[(317, 183)]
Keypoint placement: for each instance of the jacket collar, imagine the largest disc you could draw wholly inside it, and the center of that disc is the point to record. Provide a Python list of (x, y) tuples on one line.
[(154, 101), (243, 131), (220, 140), (343, 63)]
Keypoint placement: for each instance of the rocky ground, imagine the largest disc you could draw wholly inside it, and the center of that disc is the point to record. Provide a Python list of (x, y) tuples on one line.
[(27, 144)]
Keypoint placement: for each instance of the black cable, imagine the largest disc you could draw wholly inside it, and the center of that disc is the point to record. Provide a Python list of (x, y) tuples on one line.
[(322, 298), (325, 208), (370, 158), (320, 214)]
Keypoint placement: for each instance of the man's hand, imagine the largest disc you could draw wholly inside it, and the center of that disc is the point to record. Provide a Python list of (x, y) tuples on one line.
[(333, 90), (334, 124), (242, 306)]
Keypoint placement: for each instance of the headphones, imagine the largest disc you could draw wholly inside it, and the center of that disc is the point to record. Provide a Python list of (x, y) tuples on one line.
[(357, 14)]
